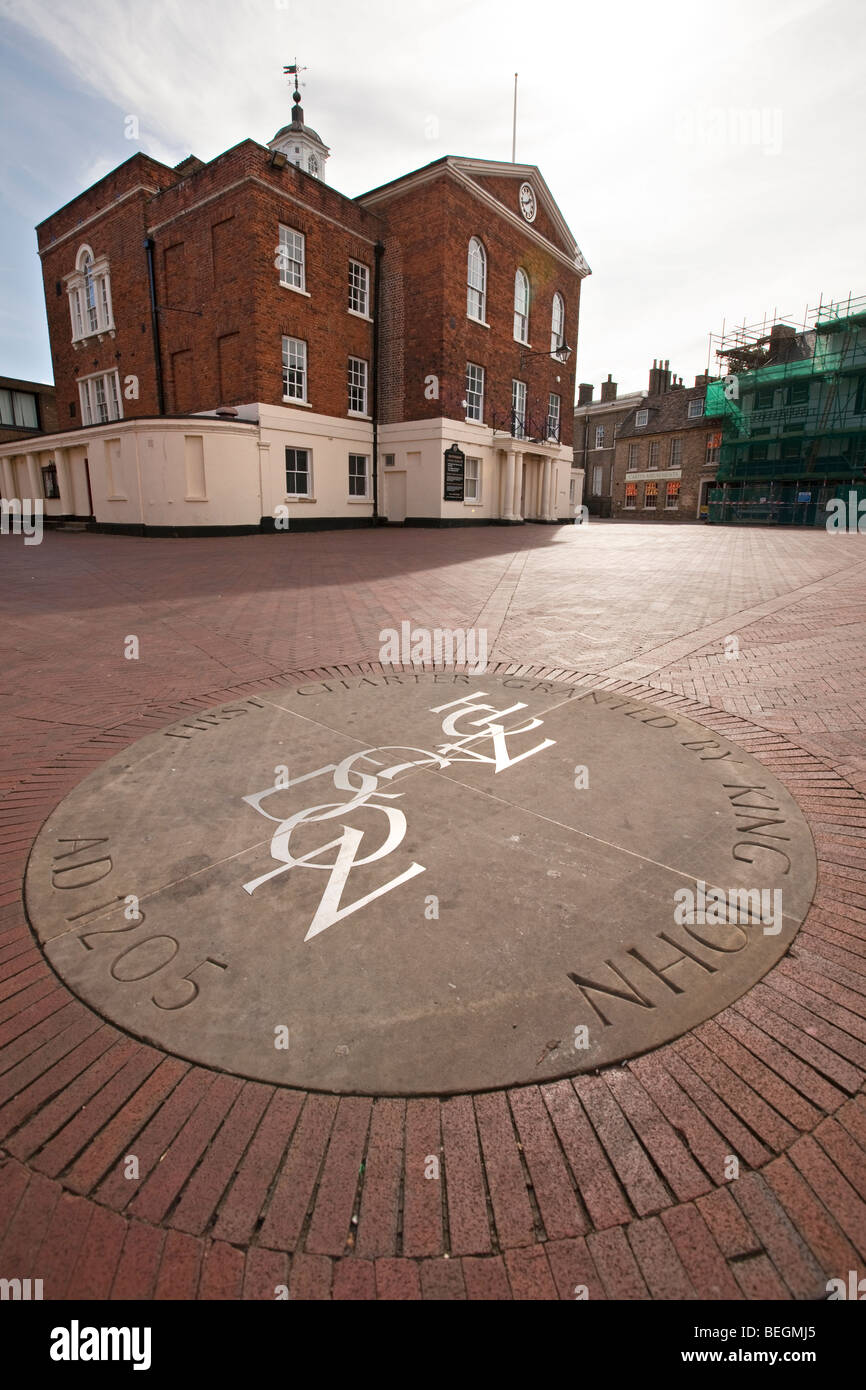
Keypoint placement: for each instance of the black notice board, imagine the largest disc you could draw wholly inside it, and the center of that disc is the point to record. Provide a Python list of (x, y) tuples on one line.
[(455, 474)]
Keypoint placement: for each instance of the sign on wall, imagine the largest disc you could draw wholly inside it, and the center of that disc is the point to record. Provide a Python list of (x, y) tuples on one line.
[(455, 474)]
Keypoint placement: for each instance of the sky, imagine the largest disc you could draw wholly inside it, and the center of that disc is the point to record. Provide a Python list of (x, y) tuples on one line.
[(708, 157)]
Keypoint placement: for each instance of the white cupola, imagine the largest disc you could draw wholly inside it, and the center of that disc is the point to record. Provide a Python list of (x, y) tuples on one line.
[(300, 144)]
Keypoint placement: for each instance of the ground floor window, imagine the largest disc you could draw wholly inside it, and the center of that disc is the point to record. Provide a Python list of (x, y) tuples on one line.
[(596, 480), (672, 500), (472, 481), (298, 476), (631, 496), (50, 485), (650, 495), (359, 472)]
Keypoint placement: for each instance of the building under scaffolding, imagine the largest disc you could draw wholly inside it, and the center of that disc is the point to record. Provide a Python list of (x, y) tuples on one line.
[(793, 408)]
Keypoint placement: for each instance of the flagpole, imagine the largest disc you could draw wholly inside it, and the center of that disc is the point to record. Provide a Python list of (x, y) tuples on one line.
[(514, 126)]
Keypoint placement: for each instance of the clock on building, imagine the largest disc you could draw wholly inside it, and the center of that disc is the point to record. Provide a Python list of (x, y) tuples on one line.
[(527, 202)]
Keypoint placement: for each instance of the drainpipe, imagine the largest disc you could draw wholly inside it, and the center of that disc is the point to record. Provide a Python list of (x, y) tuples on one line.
[(154, 319), (379, 253)]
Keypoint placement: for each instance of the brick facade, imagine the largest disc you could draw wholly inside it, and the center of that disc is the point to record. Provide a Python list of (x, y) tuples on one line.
[(166, 304), (425, 329), (663, 469), (45, 406), (594, 453)]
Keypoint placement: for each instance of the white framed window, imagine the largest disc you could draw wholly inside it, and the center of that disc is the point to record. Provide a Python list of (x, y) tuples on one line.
[(294, 369), (599, 436), (557, 323), (474, 391), (597, 476), (521, 306), (313, 166), (100, 398), (554, 404), (359, 288), (359, 475), (676, 456), (357, 386), (633, 457), (696, 408), (714, 443), (292, 258), (89, 291), (654, 451), (518, 409), (672, 497), (641, 418), (476, 281), (299, 473), (630, 502), (472, 481)]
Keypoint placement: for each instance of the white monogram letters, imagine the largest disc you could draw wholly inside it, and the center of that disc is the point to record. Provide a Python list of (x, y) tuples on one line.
[(364, 795)]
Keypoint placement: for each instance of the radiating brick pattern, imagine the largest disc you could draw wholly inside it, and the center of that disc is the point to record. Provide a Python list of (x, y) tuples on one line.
[(615, 1186)]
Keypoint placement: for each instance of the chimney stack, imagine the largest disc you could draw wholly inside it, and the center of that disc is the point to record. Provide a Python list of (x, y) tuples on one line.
[(608, 389), (584, 393)]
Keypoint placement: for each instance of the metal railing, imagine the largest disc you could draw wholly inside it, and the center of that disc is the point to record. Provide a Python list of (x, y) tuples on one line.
[(531, 427)]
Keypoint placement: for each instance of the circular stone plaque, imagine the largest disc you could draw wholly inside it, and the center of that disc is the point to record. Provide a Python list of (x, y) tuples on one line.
[(420, 884)]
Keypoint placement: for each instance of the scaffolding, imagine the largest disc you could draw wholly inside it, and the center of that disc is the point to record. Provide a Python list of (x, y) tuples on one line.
[(792, 409)]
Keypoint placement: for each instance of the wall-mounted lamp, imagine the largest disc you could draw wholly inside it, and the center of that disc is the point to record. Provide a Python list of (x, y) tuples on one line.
[(561, 354)]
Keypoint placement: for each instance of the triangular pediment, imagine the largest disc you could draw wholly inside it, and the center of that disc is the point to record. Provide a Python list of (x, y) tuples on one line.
[(506, 183)]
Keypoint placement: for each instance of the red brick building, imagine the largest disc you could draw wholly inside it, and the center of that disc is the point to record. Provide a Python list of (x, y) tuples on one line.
[(666, 453), (237, 345), (26, 407)]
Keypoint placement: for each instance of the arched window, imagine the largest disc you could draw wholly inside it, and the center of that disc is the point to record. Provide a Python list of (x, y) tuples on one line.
[(521, 306), (476, 281), (557, 324), (89, 291), (313, 166)]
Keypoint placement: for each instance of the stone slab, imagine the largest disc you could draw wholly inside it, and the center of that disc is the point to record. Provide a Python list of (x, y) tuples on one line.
[(420, 884)]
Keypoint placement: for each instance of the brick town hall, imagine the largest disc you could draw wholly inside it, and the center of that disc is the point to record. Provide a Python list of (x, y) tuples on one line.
[(237, 346)]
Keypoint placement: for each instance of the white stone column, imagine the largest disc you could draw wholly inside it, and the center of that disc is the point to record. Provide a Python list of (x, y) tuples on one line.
[(64, 482), (545, 491), (517, 508), (8, 478), (34, 476), (508, 498)]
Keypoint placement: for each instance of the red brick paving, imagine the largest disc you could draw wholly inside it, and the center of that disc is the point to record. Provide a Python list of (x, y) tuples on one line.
[(614, 1184)]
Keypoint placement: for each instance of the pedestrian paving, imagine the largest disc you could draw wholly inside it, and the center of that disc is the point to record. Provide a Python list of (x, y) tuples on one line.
[(728, 1163)]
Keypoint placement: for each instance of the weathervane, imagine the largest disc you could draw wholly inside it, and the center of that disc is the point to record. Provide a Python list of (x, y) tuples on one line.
[(294, 70)]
